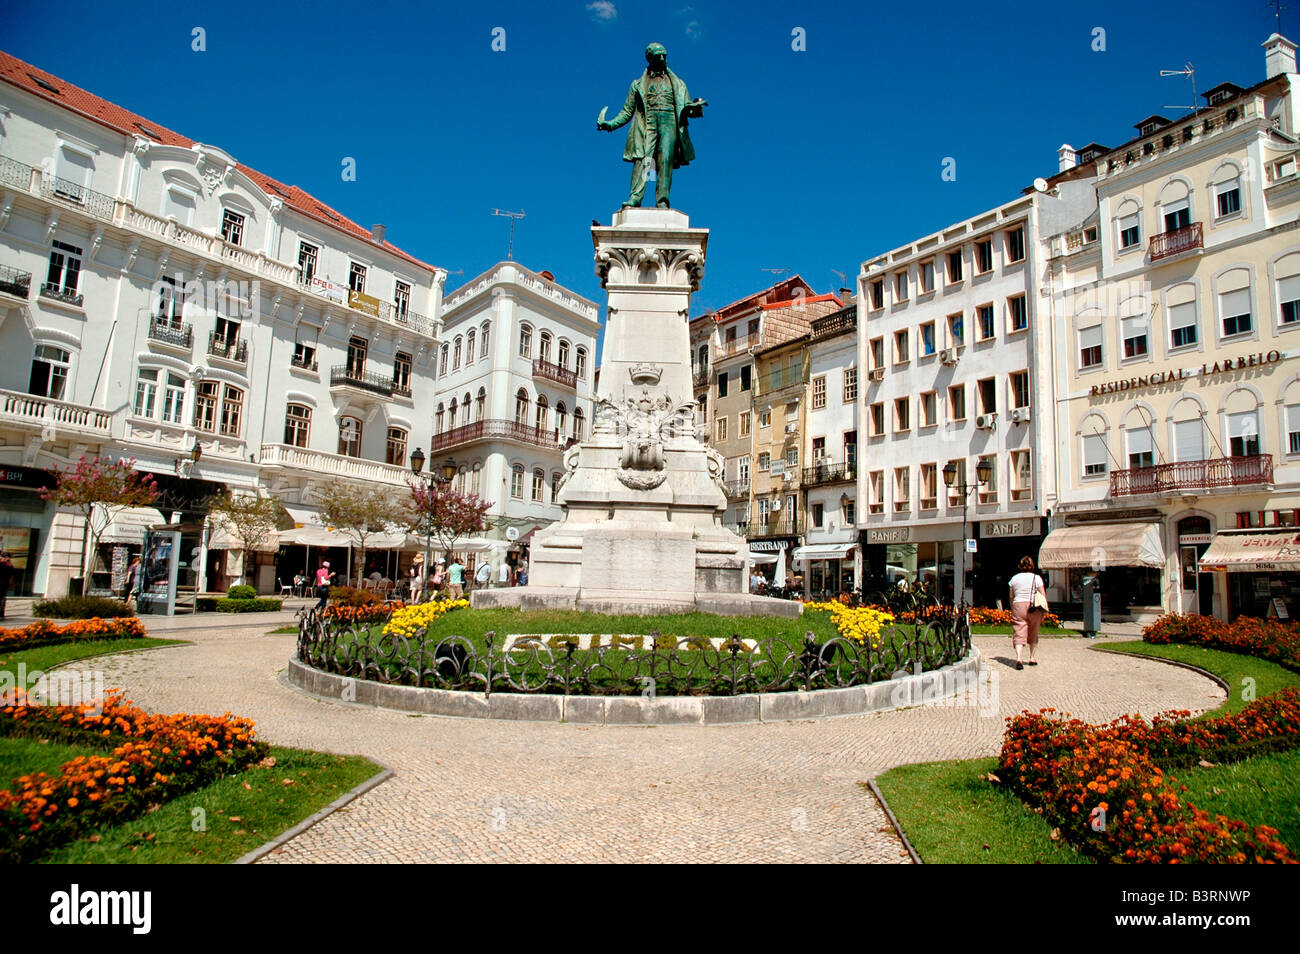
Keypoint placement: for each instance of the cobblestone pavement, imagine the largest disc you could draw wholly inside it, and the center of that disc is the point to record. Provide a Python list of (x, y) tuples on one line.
[(472, 790)]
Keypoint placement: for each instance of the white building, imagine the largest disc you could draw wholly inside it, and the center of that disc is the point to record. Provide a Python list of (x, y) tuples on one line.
[(514, 387), (160, 300)]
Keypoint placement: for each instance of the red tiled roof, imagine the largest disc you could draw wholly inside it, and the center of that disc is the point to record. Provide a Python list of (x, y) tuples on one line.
[(29, 79), (782, 291), (807, 301)]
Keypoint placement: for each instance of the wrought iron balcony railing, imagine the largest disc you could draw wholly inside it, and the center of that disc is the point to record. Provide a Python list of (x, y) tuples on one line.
[(737, 488), (351, 377), (1181, 476), (14, 282), (1168, 244), (232, 349), (700, 379), (95, 203), (779, 527), (50, 290), (555, 372), (498, 430), (829, 472), (171, 332)]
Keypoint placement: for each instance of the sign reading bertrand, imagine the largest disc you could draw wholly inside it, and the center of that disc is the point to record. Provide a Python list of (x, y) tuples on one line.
[(893, 535), (1156, 378)]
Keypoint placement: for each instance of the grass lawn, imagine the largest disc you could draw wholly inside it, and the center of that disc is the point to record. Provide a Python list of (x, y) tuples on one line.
[(43, 657), (950, 811)]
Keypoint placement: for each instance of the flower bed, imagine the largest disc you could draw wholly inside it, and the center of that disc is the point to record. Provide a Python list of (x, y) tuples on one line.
[(979, 615), (369, 613), (44, 633), (408, 620), (156, 757), (862, 624), (1268, 639), (1102, 787)]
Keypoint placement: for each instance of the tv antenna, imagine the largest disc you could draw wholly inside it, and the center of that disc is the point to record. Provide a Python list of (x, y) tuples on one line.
[(844, 277), (1190, 73), (1277, 9), (512, 216)]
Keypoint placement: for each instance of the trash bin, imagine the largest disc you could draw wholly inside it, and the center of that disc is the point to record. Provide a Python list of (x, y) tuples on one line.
[(1091, 606)]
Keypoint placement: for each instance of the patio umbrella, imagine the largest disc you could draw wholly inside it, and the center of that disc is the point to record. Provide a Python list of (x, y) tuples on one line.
[(779, 581)]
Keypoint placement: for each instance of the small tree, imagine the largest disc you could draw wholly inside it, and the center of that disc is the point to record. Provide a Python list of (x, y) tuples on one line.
[(445, 514), (248, 518), (361, 512), (99, 488)]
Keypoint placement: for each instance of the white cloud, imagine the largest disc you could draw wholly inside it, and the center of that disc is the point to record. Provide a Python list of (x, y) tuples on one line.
[(602, 10), (694, 30)]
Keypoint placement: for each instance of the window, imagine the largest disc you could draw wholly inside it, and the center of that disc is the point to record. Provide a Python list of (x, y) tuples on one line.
[(563, 355), (442, 361), (525, 341), (956, 331), (900, 347), (878, 293), (988, 491), (818, 515), (720, 429), (521, 407), (1227, 199), (580, 363), (877, 419), (987, 390), (1020, 389), (350, 437), (1293, 428), (1243, 434), (232, 227), (1130, 230), (902, 489), (765, 461), (877, 353), (395, 452), (1177, 215), (1182, 325), (539, 485), (929, 409), (850, 385), (464, 409), (174, 399), (984, 319), (876, 502), (543, 410), (451, 412), (954, 267), (146, 392), (851, 449), (358, 350), (544, 346), (955, 494), (485, 330), (1015, 245), (517, 481), (983, 256), (1288, 295), (456, 352), (765, 418), (1189, 440), (1094, 455), (65, 268), (902, 414), (1141, 449), (925, 276), (402, 306), (929, 486), (1022, 487), (480, 404), (819, 392), (722, 384), (307, 255), (1090, 347), (49, 376), (304, 355), (170, 303), (437, 419), (1018, 312), (745, 419), (927, 339), (297, 425), (556, 477), (357, 277), (746, 377), (579, 424), (957, 402), (900, 286), (1134, 332), (792, 456), (1234, 308)]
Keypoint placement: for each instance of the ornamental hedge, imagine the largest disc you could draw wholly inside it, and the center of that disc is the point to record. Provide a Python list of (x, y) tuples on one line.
[(224, 604), (1269, 639), (81, 607)]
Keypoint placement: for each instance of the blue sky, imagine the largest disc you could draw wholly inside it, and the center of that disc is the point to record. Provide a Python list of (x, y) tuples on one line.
[(808, 160)]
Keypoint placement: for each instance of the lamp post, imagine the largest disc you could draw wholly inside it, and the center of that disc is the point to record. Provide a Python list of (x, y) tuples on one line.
[(983, 470), (448, 472)]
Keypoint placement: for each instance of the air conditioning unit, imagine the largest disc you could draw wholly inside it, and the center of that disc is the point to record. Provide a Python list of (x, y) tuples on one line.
[(792, 428), (986, 422), (1019, 415), (948, 356), (876, 374)]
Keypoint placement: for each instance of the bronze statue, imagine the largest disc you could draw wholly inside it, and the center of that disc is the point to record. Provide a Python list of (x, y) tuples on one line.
[(658, 108)]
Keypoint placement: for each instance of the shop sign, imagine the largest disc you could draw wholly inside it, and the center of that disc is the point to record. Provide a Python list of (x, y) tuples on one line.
[(766, 546), (1188, 539), (1009, 528), (25, 477), (1158, 378), (331, 290), (364, 303), (892, 535)]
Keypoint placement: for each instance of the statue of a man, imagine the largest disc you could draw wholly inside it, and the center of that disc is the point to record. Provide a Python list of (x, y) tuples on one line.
[(658, 107)]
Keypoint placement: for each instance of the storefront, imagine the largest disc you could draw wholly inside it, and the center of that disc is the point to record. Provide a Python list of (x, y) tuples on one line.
[(1128, 558), (910, 557), (24, 523), (1262, 569), (827, 569), (1002, 544), (771, 558)]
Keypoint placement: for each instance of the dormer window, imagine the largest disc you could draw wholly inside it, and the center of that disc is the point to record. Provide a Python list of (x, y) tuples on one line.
[(1147, 129), (1222, 96)]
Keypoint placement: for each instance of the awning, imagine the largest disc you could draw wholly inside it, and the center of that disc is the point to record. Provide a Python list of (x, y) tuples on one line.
[(316, 536), (826, 551), (1253, 552), (302, 516), (460, 545), (224, 540), (756, 557), (1103, 544), (129, 524)]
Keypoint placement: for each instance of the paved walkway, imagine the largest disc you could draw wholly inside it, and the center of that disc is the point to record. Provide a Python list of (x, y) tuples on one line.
[(468, 790)]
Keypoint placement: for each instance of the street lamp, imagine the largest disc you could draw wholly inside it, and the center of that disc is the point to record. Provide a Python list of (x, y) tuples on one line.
[(983, 471), (448, 472)]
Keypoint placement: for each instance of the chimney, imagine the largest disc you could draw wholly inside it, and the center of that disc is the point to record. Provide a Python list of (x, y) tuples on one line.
[(1279, 56), (377, 234), (846, 295), (1067, 157)]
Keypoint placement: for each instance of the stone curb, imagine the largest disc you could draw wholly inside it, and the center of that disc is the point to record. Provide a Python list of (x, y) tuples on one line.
[(880, 797), (257, 854), (912, 690)]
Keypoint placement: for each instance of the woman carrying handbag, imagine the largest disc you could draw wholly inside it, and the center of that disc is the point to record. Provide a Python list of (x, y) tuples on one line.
[(1028, 605)]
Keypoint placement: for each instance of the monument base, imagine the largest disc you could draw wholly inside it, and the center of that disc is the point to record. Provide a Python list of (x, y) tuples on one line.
[(624, 603)]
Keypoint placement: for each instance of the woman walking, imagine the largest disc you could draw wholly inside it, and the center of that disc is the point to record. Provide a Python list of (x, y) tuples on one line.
[(1025, 617), (323, 576)]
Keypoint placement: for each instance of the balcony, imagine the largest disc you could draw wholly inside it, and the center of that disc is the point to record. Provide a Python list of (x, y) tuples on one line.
[(1254, 471), (739, 345), (779, 527), (38, 413), (829, 472), (1168, 244), (736, 488), (318, 463), (700, 379), (174, 333), (231, 349), (347, 376), (555, 372), (782, 380), (93, 203), (54, 292), (500, 430), (841, 322), (16, 283)]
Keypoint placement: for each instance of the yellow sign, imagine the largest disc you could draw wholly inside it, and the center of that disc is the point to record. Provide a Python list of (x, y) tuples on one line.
[(363, 302)]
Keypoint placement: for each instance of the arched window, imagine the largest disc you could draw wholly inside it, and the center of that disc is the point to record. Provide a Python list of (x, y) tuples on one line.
[(1175, 206), (563, 357), (451, 415), (437, 419), (350, 437), (462, 476), (455, 354), (395, 450), (544, 346), (49, 376), (543, 409), (539, 485), (579, 422), (1227, 191), (561, 418), (442, 361), (476, 477), (521, 407), (517, 481), (464, 409), (297, 425), (469, 346), (580, 364), (525, 341), (480, 404), (1128, 224), (485, 332)]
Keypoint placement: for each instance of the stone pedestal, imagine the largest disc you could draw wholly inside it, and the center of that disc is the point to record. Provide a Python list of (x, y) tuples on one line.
[(643, 499)]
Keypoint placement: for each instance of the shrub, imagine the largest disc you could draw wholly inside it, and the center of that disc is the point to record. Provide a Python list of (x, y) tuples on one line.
[(82, 607), (266, 604), (242, 591), (351, 596), (1269, 639), (370, 613), (45, 633)]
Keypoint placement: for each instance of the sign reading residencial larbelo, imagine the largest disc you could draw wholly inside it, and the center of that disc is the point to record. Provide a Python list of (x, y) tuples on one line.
[(1157, 378)]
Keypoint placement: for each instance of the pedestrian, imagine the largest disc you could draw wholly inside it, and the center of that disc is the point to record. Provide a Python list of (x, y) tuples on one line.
[(436, 581), (416, 585), (455, 579), (323, 576), (1025, 616), (133, 575), (503, 577), (521, 578), (6, 573), (483, 575)]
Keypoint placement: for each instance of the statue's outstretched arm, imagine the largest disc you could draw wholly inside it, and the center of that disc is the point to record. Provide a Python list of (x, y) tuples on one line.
[(625, 114)]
